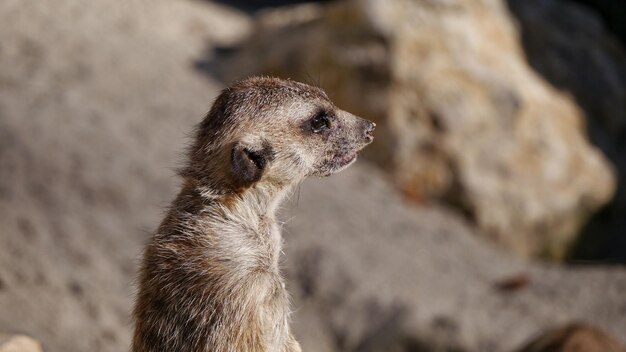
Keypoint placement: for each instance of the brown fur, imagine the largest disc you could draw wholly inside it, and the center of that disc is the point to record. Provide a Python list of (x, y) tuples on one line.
[(210, 279)]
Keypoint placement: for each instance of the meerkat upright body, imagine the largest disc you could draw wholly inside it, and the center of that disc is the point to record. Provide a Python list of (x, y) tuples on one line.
[(210, 279)]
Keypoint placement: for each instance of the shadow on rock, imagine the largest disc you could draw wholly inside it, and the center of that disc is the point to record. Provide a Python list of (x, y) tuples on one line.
[(251, 6)]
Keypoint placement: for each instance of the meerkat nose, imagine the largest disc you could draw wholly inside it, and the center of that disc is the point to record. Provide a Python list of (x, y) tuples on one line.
[(369, 130)]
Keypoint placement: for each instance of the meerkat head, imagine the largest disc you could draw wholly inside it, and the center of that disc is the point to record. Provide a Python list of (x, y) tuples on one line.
[(277, 131)]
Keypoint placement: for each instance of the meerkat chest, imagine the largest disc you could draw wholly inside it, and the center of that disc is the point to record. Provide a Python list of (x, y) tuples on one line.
[(273, 241), (270, 247)]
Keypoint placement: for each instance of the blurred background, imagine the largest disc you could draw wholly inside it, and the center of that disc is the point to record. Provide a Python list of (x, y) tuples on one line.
[(489, 213)]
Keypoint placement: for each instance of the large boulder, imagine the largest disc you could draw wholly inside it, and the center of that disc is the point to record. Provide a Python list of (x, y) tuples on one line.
[(572, 49), (463, 118)]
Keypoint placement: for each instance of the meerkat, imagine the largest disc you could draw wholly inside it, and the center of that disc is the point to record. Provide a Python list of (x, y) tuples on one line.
[(210, 278)]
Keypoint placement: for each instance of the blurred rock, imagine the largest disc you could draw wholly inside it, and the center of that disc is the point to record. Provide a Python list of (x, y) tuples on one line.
[(19, 343), (571, 48), (463, 117), (574, 338)]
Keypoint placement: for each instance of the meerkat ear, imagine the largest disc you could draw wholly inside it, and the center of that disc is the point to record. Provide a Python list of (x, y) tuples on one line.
[(249, 161)]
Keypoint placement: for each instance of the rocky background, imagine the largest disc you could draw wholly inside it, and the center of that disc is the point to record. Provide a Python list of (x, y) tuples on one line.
[(499, 166)]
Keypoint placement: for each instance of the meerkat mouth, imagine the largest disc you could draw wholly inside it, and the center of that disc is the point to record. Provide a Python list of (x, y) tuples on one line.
[(343, 160), (346, 158)]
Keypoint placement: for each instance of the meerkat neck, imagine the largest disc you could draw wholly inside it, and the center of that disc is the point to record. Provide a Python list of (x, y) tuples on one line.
[(263, 198), (255, 205)]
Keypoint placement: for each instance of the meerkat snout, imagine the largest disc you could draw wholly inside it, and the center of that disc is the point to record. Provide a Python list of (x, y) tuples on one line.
[(210, 278), (369, 130)]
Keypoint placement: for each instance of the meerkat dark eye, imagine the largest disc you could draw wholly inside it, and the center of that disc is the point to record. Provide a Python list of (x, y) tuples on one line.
[(320, 122)]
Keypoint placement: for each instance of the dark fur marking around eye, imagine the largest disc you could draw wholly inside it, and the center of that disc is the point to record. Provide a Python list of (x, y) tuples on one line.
[(320, 121)]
